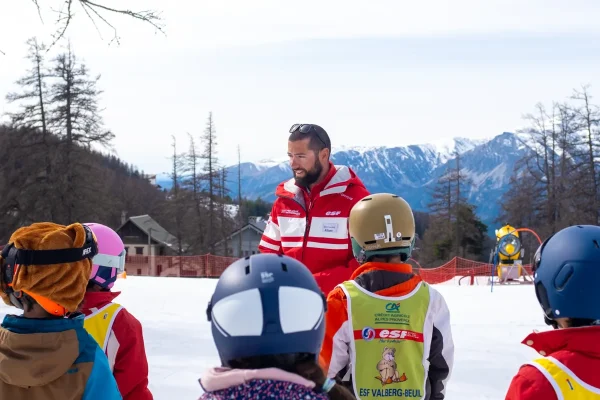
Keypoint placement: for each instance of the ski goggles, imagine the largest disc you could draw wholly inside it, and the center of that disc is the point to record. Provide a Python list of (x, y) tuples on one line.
[(109, 261)]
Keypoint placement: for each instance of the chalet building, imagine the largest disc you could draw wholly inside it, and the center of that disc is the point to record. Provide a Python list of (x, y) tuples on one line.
[(144, 237), (248, 236)]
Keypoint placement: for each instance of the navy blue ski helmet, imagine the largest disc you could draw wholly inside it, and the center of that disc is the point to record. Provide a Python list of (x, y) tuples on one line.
[(267, 304), (567, 273)]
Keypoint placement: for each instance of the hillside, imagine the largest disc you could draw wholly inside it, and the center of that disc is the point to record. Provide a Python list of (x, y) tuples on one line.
[(35, 184)]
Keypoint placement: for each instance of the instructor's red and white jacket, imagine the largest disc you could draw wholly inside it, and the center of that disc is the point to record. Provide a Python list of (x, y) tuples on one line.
[(312, 227)]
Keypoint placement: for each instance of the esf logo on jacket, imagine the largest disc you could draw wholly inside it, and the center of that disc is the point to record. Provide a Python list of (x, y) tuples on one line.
[(369, 334)]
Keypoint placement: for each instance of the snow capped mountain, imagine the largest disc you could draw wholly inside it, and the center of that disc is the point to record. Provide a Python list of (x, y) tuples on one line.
[(412, 171), (488, 166), (446, 147), (409, 171)]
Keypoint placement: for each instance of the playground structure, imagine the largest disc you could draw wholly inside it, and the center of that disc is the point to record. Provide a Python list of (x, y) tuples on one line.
[(507, 257)]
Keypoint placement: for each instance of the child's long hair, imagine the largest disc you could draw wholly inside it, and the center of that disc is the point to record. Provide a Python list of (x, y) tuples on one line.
[(303, 364)]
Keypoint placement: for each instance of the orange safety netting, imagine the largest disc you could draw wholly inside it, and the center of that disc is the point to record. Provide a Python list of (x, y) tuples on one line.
[(458, 267), (211, 266)]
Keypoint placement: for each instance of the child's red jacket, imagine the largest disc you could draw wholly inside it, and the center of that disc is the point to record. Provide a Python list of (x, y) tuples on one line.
[(577, 348), (127, 341)]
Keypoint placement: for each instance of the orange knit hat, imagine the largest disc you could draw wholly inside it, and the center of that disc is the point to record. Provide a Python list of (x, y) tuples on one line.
[(58, 288)]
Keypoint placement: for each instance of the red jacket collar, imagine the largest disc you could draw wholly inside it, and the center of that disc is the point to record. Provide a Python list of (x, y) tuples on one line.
[(399, 289), (579, 340), (321, 185), (371, 266), (345, 176), (98, 299)]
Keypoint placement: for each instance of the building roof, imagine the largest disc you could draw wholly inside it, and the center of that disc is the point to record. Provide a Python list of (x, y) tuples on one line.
[(153, 229), (258, 226)]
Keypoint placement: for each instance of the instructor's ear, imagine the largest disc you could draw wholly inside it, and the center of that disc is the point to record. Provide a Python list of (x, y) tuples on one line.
[(324, 155)]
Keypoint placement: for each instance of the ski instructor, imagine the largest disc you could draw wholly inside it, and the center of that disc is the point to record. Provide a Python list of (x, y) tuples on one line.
[(309, 219)]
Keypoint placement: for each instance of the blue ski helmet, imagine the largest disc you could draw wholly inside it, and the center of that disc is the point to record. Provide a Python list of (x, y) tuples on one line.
[(266, 304), (567, 274)]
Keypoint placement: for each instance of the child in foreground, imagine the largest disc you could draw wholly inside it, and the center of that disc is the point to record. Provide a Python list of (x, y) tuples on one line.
[(267, 323), (388, 333), (118, 333), (566, 280), (46, 353)]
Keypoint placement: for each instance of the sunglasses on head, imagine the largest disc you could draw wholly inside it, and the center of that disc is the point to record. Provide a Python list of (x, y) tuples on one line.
[(307, 128)]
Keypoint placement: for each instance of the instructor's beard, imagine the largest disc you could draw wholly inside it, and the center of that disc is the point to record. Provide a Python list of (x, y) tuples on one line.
[(309, 177)]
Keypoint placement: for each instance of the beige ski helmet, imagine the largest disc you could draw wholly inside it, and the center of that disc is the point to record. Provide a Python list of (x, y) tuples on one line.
[(381, 224)]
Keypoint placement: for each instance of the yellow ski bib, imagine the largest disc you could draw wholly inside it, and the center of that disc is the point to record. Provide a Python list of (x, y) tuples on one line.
[(388, 347), (565, 383), (99, 323)]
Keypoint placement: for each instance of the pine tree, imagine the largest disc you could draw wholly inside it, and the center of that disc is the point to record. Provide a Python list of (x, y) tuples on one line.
[(240, 209), (211, 174), (75, 117), (176, 198), (74, 97), (33, 98), (33, 114), (223, 194), (588, 120), (453, 227), (193, 184)]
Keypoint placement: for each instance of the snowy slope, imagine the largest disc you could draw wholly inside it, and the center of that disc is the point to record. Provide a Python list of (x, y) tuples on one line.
[(487, 329)]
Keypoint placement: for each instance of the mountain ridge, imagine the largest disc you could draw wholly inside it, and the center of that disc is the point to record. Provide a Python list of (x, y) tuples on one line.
[(410, 171)]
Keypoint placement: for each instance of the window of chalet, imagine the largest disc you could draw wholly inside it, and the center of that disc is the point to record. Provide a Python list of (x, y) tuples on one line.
[(139, 250)]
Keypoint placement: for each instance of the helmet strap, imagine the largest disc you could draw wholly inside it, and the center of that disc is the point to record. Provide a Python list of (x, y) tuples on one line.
[(550, 322), (15, 299)]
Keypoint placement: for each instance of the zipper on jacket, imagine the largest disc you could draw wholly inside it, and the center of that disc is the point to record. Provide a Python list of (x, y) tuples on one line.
[(306, 229), (307, 224)]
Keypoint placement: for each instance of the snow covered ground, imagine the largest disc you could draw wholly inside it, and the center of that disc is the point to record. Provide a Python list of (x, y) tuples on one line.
[(487, 327)]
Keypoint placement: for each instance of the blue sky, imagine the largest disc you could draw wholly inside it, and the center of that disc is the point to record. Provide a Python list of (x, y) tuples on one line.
[(383, 74)]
